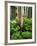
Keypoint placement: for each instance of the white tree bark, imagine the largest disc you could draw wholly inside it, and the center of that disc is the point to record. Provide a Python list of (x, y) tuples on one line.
[(25, 11), (22, 14), (17, 11)]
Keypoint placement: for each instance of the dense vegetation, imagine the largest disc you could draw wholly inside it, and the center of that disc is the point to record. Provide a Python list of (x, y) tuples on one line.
[(16, 32)]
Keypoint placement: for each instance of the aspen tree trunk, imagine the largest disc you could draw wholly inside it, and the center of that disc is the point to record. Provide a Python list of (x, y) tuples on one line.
[(22, 14), (17, 11), (19, 15), (25, 11)]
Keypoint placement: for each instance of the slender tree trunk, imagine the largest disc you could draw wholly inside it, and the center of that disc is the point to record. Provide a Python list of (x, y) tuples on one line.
[(19, 15), (22, 14), (25, 11), (17, 11)]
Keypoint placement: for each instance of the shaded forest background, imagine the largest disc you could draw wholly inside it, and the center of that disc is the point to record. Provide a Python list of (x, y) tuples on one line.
[(20, 22)]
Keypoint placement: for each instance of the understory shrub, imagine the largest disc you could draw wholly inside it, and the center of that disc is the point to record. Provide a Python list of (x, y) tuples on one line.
[(22, 35), (27, 24), (27, 35), (15, 30)]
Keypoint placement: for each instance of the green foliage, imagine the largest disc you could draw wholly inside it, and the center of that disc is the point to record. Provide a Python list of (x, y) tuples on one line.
[(15, 30), (22, 35), (13, 27), (27, 35), (27, 24), (16, 35)]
